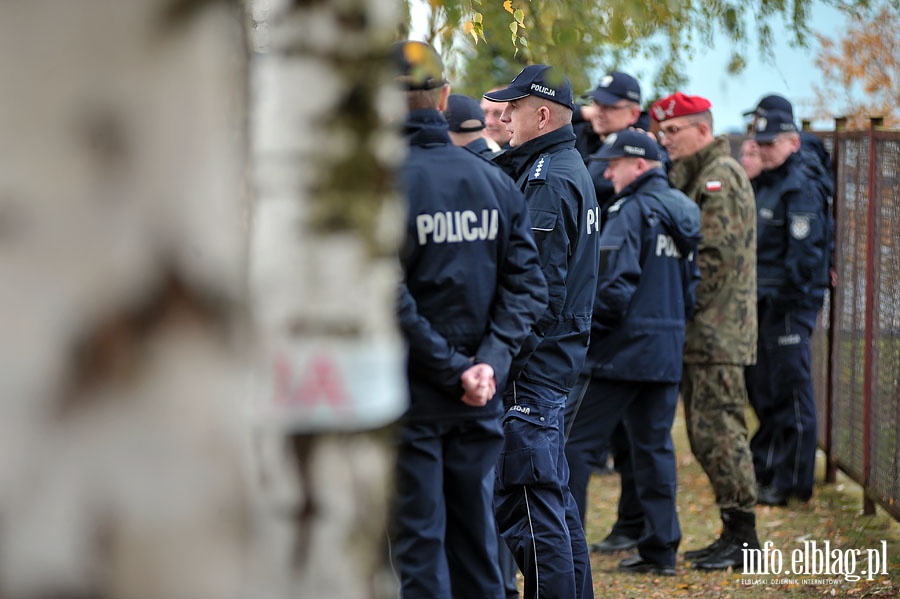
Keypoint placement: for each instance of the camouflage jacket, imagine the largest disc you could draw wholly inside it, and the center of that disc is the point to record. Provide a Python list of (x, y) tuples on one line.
[(724, 327)]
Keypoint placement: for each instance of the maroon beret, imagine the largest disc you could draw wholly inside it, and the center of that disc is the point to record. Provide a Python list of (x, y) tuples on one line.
[(678, 104)]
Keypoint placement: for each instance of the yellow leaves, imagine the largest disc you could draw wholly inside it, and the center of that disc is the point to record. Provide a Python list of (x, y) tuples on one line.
[(517, 37), (474, 28), (865, 59)]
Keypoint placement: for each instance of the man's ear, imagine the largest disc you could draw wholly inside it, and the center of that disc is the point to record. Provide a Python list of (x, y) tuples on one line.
[(704, 128), (544, 112), (445, 95), (635, 113)]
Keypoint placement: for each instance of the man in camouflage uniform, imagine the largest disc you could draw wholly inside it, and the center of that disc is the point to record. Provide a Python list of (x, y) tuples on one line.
[(721, 339)]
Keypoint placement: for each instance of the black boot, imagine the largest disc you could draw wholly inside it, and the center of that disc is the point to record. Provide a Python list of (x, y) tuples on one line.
[(613, 543), (730, 553), (724, 539)]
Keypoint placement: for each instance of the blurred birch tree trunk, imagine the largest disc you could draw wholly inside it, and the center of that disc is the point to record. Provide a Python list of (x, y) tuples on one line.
[(128, 430), (323, 278), (122, 308)]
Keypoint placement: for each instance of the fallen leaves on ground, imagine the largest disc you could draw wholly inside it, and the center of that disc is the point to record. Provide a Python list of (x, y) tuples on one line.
[(834, 514)]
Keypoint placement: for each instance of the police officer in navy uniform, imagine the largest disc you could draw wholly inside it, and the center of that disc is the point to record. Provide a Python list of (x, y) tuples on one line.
[(535, 510), (473, 287), (466, 122), (645, 292), (793, 246), (811, 147), (616, 105)]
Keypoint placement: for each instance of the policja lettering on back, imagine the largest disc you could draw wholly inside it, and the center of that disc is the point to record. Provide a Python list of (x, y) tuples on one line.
[(457, 225), (463, 309), (666, 245)]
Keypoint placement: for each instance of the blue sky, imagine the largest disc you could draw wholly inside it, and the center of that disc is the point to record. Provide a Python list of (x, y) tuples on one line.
[(791, 74)]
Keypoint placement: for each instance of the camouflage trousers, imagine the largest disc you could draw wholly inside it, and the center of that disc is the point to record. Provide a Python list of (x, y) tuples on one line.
[(715, 402)]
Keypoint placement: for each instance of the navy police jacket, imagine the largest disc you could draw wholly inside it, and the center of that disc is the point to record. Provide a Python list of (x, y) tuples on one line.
[(566, 222), (603, 186), (645, 291), (794, 236), (817, 159), (480, 146), (473, 281)]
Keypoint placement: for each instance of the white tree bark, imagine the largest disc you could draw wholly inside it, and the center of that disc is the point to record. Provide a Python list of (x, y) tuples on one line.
[(326, 218), (135, 458), (122, 244), (323, 287)]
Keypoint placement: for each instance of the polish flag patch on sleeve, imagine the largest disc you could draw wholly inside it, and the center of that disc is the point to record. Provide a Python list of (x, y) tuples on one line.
[(713, 186)]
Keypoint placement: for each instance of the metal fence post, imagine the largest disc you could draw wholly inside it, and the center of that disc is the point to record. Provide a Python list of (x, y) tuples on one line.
[(831, 463), (869, 377)]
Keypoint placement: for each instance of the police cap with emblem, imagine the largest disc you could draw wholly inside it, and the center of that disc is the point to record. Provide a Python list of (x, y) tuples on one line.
[(464, 114), (770, 103), (536, 80), (773, 124), (629, 144), (616, 86), (419, 64)]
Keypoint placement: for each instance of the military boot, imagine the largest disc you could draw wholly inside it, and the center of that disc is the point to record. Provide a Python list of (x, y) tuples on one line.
[(724, 539), (730, 553)]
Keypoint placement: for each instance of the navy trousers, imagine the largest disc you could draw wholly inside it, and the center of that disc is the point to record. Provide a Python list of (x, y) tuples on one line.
[(535, 511), (647, 410), (781, 393), (444, 537), (590, 429)]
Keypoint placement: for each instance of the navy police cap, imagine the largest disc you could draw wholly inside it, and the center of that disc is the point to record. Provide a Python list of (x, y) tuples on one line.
[(464, 114), (419, 64), (773, 124), (629, 143), (616, 86), (536, 80), (771, 103)]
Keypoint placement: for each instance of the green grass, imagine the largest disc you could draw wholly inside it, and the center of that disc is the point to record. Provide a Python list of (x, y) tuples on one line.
[(834, 514)]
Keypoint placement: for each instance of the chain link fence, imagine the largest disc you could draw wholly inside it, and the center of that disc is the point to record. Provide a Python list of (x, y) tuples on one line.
[(856, 348)]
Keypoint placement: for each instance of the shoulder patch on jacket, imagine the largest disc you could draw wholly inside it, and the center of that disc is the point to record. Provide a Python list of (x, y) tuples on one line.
[(538, 172), (615, 207), (800, 226), (713, 186)]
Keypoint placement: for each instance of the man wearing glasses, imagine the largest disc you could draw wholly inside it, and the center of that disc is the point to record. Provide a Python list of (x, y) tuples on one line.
[(720, 341)]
